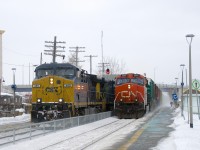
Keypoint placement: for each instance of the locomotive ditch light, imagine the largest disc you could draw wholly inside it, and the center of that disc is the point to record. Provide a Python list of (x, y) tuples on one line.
[(39, 100), (60, 100), (78, 87)]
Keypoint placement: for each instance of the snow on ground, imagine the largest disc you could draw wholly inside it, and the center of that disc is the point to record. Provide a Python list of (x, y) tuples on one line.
[(13, 120), (183, 138), (77, 142)]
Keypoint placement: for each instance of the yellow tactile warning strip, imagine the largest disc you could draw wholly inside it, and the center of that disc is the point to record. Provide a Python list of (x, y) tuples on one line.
[(133, 139)]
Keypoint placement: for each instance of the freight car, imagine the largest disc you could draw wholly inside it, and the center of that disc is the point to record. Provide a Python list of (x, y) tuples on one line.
[(133, 93), (62, 90), (154, 95)]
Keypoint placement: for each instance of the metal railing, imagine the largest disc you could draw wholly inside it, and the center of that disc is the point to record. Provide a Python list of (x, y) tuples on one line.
[(36, 129)]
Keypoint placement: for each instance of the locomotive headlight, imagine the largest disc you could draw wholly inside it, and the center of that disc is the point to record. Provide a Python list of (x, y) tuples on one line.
[(39, 100), (129, 86), (136, 100), (60, 100), (78, 87), (51, 81)]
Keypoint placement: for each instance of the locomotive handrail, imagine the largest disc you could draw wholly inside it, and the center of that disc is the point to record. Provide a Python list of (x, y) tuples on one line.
[(133, 94), (141, 95), (115, 99), (142, 98)]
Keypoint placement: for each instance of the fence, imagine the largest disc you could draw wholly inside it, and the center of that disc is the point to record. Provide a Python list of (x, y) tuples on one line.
[(195, 103), (195, 106), (37, 129)]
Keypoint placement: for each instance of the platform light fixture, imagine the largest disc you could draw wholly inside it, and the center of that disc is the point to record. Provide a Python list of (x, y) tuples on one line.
[(189, 41), (14, 70)]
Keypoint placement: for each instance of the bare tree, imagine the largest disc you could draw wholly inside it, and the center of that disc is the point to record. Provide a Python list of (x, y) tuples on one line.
[(114, 65), (72, 59)]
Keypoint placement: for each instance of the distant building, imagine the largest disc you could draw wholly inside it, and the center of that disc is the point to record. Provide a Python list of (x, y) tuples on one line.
[(7, 102)]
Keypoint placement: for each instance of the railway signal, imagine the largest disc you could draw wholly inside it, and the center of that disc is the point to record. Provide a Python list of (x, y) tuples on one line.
[(107, 71)]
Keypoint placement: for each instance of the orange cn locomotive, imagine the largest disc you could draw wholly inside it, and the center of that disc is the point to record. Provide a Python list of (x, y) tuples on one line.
[(130, 95)]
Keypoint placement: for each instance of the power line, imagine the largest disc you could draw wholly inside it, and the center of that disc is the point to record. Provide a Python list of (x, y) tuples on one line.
[(15, 65), (18, 53)]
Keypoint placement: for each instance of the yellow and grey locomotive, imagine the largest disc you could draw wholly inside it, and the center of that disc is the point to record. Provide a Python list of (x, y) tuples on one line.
[(61, 90)]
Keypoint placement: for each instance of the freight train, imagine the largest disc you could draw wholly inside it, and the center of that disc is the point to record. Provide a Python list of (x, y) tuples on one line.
[(62, 90), (133, 94)]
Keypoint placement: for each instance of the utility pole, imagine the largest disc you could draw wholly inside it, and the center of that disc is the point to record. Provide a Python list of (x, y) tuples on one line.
[(102, 53), (76, 52), (54, 51), (41, 59), (91, 62), (1, 53)]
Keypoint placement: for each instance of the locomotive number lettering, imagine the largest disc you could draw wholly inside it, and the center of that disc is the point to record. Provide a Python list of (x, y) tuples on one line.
[(51, 89)]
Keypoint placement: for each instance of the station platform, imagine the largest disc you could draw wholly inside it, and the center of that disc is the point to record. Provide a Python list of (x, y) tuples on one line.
[(151, 132)]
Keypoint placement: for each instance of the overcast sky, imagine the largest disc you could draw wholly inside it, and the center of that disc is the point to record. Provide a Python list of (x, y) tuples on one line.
[(148, 35)]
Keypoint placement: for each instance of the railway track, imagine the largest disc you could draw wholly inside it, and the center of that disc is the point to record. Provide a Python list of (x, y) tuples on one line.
[(91, 135), (107, 134), (16, 132), (14, 125), (19, 132)]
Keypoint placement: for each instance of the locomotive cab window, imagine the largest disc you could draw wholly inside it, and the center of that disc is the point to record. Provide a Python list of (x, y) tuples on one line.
[(43, 72), (122, 81), (137, 81), (66, 72)]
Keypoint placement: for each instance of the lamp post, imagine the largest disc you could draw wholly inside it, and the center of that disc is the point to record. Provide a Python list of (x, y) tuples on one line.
[(1, 54), (190, 36), (14, 88), (182, 84)]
